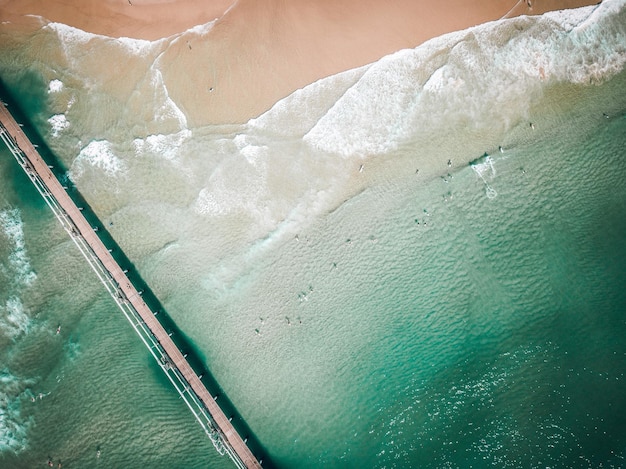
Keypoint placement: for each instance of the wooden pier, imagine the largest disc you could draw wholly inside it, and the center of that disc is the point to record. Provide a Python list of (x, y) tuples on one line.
[(202, 404)]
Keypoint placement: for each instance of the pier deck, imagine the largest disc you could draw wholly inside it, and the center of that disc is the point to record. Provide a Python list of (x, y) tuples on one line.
[(128, 298)]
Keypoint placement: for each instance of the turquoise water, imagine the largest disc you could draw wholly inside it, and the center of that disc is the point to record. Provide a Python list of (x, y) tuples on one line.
[(91, 387), (368, 288)]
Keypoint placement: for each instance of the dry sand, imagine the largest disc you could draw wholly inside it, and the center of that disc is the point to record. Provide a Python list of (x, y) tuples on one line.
[(260, 51), (140, 19)]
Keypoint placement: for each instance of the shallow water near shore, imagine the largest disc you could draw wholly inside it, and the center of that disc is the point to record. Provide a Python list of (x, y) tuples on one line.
[(424, 273)]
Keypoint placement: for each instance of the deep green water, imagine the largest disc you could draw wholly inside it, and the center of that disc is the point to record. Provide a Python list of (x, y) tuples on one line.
[(462, 315)]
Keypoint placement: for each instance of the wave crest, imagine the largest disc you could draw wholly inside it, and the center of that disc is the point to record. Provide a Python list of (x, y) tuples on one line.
[(13, 428), (12, 227), (484, 76)]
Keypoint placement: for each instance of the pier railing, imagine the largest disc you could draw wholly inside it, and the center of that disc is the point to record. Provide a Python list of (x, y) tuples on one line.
[(169, 358)]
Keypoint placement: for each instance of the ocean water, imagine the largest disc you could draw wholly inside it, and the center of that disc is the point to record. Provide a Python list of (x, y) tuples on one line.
[(417, 263)]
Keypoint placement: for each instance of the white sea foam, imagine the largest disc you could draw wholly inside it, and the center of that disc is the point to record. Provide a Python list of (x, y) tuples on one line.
[(13, 428), (165, 146), (69, 33), (168, 108), (296, 114), (55, 86), (135, 46), (376, 113), (578, 46), (58, 123), (72, 37), (570, 18), (471, 77), (14, 321), (97, 154), (273, 195), (484, 167), (238, 184), (94, 77), (199, 30), (12, 227), (253, 153), (486, 171), (227, 192), (72, 40)]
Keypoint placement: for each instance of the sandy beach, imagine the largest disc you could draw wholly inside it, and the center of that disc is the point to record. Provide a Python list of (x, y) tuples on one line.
[(258, 52), (418, 262)]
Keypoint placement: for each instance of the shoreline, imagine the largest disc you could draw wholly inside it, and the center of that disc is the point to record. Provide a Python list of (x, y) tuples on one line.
[(260, 51)]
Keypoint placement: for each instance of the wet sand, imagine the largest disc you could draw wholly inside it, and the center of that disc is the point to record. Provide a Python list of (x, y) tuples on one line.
[(259, 51)]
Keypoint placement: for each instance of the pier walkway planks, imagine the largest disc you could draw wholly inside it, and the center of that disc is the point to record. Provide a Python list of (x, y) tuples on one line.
[(127, 294)]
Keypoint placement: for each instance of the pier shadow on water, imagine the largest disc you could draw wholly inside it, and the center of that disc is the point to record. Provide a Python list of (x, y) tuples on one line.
[(31, 104)]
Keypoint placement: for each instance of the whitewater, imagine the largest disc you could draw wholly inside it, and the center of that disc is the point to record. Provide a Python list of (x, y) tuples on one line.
[(416, 263)]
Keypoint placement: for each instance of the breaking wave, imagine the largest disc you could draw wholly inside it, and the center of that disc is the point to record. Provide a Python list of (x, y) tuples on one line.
[(484, 76), (13, 427), (12, 228), (15, 323)]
